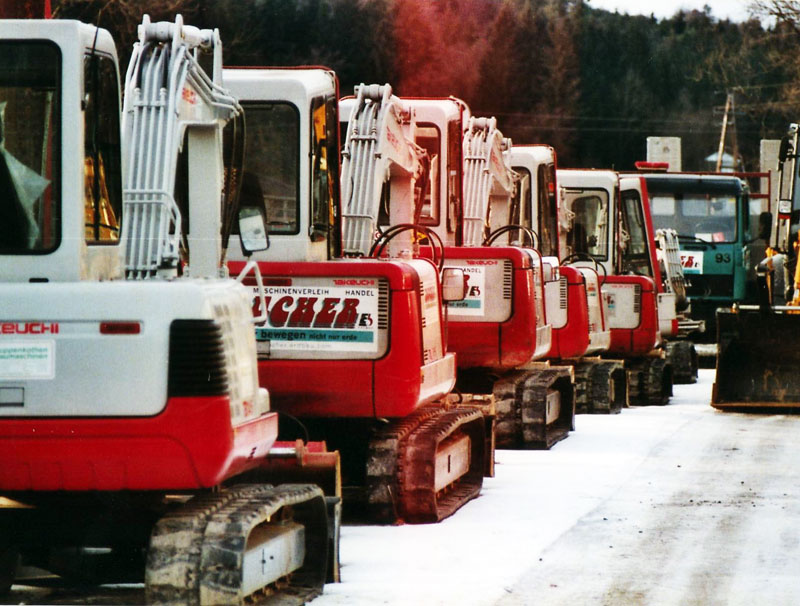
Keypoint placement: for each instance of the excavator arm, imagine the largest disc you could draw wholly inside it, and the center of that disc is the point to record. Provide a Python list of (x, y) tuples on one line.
[(486, 174), (379, 153), (170, 102)]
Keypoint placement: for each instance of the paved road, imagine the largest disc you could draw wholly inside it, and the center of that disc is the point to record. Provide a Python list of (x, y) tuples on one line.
[(711, 516)]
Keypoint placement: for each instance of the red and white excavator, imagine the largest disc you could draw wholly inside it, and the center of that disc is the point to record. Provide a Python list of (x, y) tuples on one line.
[(606, 218), (574, 305), (353, 348), (132, 425), (498, 331)]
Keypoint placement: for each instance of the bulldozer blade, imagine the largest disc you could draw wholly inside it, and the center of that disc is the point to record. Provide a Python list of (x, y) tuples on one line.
[(758, 364)]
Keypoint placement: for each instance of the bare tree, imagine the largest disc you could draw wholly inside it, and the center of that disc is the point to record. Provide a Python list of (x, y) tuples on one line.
[(783, 49), (122, 17), (783, 11)]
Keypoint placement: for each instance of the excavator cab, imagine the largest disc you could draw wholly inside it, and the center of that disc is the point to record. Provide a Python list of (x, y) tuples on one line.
[(130, 410), (572, 294), (34, 173), (499, 331), (621, 237), (352, 344)]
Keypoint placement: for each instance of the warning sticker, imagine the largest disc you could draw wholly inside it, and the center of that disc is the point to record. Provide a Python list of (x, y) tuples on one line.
[(27, 359)]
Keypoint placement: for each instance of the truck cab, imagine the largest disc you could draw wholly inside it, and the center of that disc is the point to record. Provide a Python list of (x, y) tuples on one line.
[(711, 215)]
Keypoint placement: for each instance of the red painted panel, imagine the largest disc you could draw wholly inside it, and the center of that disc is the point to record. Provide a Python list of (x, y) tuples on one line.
[(500, 344), (387, 387), (640, 340), (572, 340), (190, 445)]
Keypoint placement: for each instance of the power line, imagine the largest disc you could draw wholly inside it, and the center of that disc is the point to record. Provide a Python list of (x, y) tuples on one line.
[(639, 120)]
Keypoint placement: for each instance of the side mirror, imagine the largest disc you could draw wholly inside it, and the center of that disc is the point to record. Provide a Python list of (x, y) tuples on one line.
[(454, 284), (252, 230), (318, 232)]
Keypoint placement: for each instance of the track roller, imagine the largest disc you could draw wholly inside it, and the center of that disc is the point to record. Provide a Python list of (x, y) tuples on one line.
[(254, 543), (424, 467)]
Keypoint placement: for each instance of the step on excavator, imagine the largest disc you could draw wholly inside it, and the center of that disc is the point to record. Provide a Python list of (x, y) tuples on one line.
[(605, 218), (756, 365), (353, 347), (498, 331), (133, 426), (573, 303)]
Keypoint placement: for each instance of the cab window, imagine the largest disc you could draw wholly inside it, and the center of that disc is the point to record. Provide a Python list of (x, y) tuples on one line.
[(635, 257), (548, 210), (429, 138), (272, 164), (324, 173), (30, 147), (102, 169), (589, 233)]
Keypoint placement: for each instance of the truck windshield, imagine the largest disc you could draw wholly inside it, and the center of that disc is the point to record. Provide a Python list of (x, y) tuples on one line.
[(709, 217), (272, 164), (30, 143)]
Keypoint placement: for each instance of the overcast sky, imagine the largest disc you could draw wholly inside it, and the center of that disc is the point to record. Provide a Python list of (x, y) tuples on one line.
[(735, 10)]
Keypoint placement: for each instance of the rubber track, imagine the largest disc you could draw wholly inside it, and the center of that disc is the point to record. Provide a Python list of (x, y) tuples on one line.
[(196, 552), (419, 502), (400, 465), (649, 381), (583, 370), (521, 398), (683, 358), (601, 386)]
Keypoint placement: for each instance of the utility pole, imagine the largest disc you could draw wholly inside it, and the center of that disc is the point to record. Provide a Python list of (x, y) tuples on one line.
[(728, 119)]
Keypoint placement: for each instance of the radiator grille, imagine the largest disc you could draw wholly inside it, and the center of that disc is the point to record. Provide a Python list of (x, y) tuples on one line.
[(196, 359), (383, 305), (508, 279), (562, 293), (710, 285)]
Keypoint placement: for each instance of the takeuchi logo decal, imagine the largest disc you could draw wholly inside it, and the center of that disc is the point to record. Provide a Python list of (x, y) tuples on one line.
[(29, 328), (354, 282)]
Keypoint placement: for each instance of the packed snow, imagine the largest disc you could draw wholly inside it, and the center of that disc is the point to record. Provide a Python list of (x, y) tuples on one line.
[(475, 556), (679, 504)]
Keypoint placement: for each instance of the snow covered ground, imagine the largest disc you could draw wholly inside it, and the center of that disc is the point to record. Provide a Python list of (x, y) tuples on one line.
[(544, 529), (679, 504)]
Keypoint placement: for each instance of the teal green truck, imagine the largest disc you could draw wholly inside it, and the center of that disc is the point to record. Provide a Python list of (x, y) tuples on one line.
[(720, 240)]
